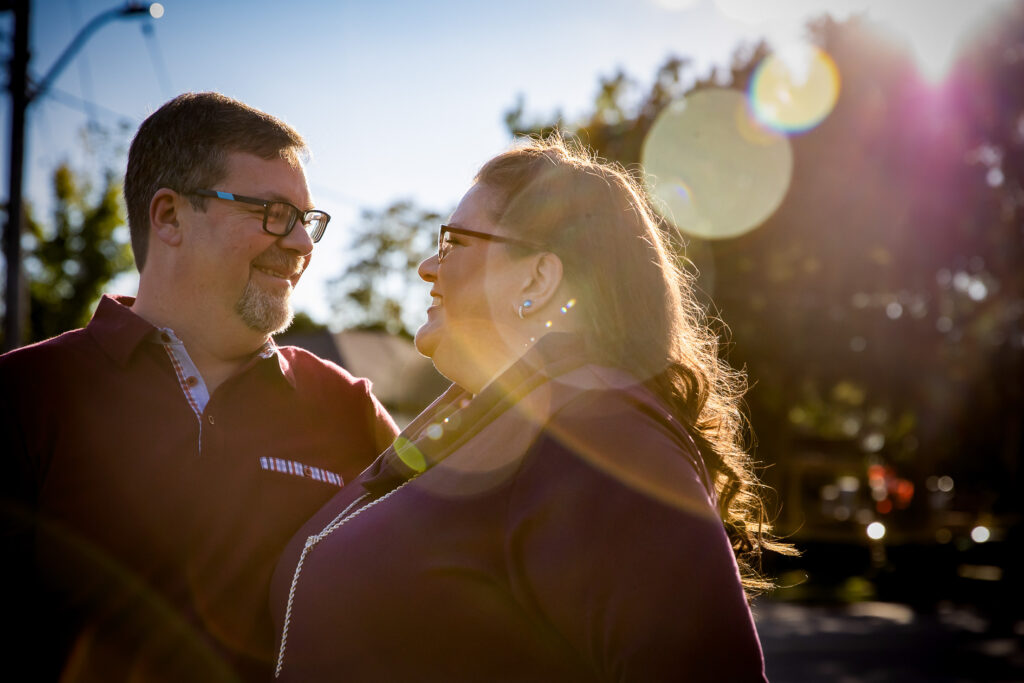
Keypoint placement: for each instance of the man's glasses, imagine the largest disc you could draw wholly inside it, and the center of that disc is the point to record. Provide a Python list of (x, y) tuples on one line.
[(278, 217), (444, 243)]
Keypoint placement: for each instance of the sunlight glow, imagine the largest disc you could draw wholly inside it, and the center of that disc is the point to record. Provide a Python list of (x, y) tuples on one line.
[(156, 10), (676, 5), (934, 33), (750, 12)]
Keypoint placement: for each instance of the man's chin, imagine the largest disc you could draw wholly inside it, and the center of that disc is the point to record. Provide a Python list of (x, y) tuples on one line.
[(263, 311), (280, 325)]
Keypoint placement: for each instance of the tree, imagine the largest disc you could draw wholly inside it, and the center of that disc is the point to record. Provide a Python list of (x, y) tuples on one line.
[(380, 289), (875, 305), (69, 261), (880, 309)]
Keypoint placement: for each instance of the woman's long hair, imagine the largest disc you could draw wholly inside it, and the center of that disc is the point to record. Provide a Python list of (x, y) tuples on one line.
[(639, 311)]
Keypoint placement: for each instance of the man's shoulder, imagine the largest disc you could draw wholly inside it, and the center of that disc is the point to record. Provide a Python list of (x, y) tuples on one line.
[(112, 323), (308, 367), (45, 368), (48, 352)]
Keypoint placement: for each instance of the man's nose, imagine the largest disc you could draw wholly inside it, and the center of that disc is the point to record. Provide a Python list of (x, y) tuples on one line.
[(298, 240)]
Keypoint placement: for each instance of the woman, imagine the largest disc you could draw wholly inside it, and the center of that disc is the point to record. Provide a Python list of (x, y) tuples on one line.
[(574, 506)]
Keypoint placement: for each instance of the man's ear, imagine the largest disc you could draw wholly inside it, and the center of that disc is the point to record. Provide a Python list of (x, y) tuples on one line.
[(543, 280), (163, 216)]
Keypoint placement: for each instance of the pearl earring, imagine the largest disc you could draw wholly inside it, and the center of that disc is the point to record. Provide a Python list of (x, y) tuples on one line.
[(524, 308)]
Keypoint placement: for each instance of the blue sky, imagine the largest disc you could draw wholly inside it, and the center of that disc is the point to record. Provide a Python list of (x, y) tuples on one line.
[(398, 99)]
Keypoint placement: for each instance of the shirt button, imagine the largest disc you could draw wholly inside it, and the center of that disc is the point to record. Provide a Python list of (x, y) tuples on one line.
[(210, 418), (191, 381)]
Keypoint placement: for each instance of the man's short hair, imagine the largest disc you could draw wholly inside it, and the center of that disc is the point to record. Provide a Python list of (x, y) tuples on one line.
[(184, 146)]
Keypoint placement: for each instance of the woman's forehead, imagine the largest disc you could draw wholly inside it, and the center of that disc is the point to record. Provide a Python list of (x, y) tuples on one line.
[(478, 207)]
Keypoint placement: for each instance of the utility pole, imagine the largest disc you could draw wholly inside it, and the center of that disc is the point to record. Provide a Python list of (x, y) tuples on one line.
[(22, 95), (18, 87)]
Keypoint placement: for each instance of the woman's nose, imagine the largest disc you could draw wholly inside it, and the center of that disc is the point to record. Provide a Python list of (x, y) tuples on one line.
[(427, 269)]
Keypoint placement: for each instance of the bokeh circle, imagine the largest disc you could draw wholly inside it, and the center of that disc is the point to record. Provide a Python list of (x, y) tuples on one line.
[(712, 168)]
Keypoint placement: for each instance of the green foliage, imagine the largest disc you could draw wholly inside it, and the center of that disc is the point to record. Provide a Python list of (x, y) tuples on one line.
[(303, 323), (380, 289), (69, 261)]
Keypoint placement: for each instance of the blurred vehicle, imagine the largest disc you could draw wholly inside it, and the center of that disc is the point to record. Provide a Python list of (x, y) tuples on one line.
[(916, 538)]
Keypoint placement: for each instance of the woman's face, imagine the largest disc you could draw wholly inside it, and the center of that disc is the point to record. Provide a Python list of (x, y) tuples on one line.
[(471, 332)]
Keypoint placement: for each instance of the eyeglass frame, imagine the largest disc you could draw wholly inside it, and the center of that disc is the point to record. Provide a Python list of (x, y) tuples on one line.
[(442, 255), (265, 203)]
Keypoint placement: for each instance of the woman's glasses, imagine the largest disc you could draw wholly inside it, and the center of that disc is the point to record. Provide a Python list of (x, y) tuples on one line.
[(444, 243)]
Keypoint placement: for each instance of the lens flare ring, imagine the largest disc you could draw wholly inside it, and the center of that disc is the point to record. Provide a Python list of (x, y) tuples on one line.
[(794, 89), (713, 169)]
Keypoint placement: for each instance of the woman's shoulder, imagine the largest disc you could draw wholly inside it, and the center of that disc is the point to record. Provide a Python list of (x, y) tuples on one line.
[(626, 435)]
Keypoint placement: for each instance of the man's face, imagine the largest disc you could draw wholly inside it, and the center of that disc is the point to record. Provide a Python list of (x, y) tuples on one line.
[(232, 265)]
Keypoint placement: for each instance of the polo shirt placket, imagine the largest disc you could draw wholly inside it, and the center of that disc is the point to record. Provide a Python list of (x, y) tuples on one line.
[(191, 381)]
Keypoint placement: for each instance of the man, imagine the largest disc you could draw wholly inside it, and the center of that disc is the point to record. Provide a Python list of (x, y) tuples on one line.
[(162, 456)]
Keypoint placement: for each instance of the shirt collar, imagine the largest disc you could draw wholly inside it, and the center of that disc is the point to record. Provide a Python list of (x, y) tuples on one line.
[(119, 331), (271, 350)]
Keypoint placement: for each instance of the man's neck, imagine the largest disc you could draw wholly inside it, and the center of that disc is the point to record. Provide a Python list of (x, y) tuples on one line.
[(219, 348)]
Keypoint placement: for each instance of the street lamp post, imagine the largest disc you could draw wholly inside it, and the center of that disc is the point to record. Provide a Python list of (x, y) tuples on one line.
[(22, 95)]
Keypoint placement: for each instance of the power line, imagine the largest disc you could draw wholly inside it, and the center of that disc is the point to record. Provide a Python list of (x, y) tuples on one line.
[(156, 56), (87, 106), (84, 72)]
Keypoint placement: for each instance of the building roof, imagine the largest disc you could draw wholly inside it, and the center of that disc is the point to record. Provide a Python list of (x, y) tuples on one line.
[(403, 380)]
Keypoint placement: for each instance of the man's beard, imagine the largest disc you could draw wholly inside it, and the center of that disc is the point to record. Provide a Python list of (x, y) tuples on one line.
[(270, 311), (263, 311)]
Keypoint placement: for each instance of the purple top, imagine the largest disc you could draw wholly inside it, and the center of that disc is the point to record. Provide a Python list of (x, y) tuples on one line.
[(569, 562)]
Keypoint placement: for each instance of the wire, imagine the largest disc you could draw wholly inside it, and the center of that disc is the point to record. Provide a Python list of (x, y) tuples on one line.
[(84, 72), (156, 56), (85, 106)]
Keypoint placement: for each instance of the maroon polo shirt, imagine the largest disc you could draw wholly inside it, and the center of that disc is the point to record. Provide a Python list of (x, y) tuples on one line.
[(156, 530)]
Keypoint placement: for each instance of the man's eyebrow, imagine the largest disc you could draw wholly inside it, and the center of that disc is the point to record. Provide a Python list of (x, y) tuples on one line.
[(272, 196)]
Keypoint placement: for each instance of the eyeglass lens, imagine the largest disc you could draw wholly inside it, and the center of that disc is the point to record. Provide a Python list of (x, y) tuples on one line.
[(443, 244), (281, 216)]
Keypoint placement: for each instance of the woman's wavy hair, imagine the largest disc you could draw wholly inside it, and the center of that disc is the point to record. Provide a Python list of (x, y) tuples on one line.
[(639, 311)]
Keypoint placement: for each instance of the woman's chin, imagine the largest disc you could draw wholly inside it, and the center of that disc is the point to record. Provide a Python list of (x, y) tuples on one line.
[(426, 340)]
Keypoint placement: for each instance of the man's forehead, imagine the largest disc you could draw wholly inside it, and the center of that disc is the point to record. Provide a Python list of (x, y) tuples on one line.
[(276, 178)]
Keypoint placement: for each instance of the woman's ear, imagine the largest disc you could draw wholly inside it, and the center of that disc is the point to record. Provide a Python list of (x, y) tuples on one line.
[(543, 280), (163, 216)]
